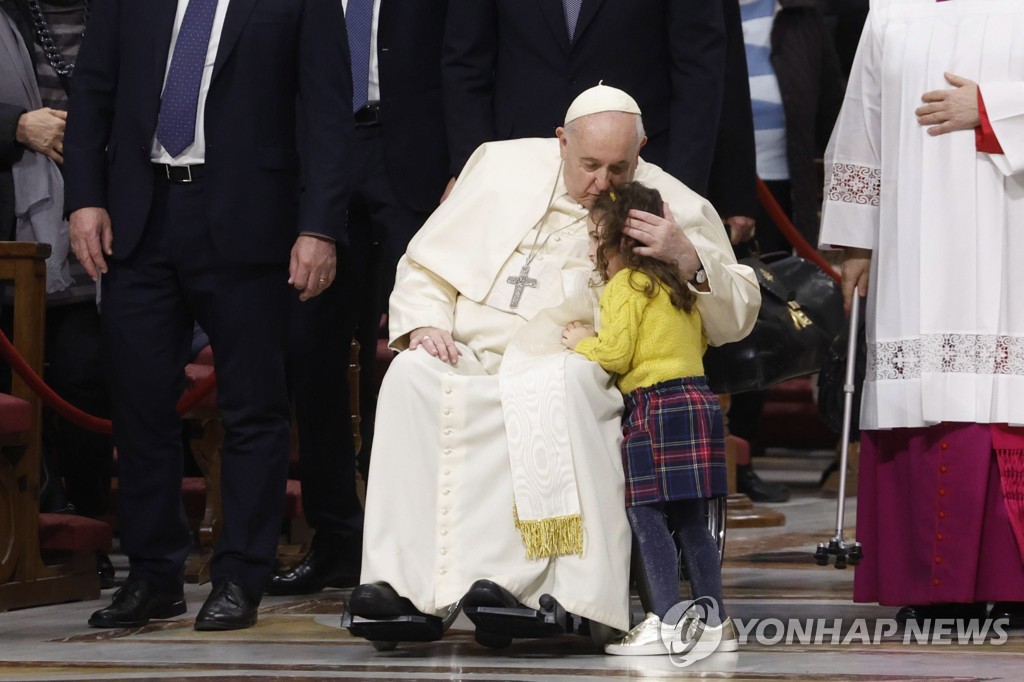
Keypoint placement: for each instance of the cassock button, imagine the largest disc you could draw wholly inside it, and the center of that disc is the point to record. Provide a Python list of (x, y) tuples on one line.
[(447, 472), (944, 445), (943, 469), (448, 391), (938, 537), (942, 514), (942, 492), (443, 572), (443, 551), (448, 410), (447, 432), (558, 237), (938, 560), (451, 373), (444, 531), (936, 582), (444, 512), (446, 492)]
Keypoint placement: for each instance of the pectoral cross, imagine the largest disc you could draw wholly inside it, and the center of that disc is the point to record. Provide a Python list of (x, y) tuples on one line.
[(521, 281)]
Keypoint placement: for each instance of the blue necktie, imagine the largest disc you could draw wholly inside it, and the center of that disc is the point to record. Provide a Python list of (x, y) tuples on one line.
[(359, 23), (176, 125), (572, 15)]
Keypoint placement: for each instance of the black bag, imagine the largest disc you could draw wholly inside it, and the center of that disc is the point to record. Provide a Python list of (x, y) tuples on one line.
[(801, 313)]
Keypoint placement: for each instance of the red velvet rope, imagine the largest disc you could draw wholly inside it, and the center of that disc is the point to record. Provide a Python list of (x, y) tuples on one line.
[(189, 399), (789, 231)]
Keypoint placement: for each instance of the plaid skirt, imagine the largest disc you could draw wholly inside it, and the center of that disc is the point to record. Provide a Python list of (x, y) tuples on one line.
[(673, 445)]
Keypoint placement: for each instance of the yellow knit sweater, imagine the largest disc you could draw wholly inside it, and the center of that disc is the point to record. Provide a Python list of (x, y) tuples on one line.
[(644, 340)]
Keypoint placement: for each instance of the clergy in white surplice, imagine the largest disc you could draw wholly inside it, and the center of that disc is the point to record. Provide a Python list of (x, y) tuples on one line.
[(504, 463), (925, 191)]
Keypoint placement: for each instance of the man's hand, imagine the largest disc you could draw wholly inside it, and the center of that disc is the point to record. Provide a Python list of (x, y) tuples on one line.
[(313, 265), (663, 239), (42, 131), (91, 239), (437, 342), (855, 269), (949, 110), (575, 332), (447, 190), (740, 228)]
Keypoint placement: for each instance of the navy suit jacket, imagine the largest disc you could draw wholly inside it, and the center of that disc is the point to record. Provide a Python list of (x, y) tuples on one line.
[(281, 64), (510, 71), (409, 36)]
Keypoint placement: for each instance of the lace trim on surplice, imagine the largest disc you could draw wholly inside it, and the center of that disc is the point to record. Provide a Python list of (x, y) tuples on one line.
[(853, 184), (980, 354)]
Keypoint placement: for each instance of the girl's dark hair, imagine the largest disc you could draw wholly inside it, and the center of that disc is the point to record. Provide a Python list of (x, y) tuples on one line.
[(609, 213)]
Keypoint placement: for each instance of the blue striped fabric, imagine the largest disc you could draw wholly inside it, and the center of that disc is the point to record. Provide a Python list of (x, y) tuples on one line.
[(769, 116)]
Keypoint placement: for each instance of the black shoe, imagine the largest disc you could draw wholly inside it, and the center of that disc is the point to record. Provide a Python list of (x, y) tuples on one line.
[(319, 569), (489, 593), (136, 603), (920, 613), (379, 600), (1011, 610), (227, 608), (105, 569), (757, 489)]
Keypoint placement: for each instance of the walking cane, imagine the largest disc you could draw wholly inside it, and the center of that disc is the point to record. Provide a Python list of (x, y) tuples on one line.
[(845, 553)]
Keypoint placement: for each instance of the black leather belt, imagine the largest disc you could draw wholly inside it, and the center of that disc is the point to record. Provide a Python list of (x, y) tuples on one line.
[(368, 115), (181, 175)]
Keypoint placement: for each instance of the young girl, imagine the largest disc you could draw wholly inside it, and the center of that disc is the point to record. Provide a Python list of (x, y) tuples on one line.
[(673, 447)]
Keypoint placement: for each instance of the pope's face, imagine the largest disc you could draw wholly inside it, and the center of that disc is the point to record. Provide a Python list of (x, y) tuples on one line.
[(600, 151)]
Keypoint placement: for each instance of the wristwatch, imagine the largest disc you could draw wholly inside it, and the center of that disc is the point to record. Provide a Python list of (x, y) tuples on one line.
[(700, 277)]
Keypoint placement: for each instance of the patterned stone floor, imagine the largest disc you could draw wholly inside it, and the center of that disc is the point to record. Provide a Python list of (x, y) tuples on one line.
[(769, 574)]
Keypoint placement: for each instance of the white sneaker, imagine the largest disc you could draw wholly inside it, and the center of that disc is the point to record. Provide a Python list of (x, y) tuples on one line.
[(643, 640)]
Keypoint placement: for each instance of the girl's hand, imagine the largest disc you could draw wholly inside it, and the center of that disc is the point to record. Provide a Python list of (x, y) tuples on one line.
[(575, 332)]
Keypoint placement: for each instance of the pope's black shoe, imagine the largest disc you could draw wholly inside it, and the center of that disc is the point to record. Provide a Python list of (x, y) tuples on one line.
[(227, 608), (136, 603), (319, 569), (379, 600), (920, 613)]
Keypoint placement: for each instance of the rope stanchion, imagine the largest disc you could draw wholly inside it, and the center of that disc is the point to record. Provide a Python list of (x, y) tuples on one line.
[(188, 400), (789, 231)]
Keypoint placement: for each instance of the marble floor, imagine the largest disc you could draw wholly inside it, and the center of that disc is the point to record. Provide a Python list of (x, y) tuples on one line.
[(768, 573)]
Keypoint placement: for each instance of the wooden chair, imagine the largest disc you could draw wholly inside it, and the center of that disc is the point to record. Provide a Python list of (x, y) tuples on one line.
[(48, 558)]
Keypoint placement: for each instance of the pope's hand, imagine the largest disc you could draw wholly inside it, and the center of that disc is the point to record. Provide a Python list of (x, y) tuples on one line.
[(575, 332), (663, 239), (437, 342)]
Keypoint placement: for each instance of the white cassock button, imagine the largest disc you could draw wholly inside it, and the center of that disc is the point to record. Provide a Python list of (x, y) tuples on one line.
[(443, 572), (448, 391), (445, 491), (444, 532), (447, 472), (558, 238), (444, 512), (443, 551), (447, 432), (451, 373), (448, 411), (447, 452)]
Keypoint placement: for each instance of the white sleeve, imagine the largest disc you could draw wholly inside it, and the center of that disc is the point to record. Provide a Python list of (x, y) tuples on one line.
[(420, 299), (853, 159)]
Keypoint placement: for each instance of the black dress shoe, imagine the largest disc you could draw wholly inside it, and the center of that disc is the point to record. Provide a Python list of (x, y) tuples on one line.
[(105, 569), (379, 600), (756, 488), (319, 569), (136, 603), (945, 611), (227, 608), (1010, 610)]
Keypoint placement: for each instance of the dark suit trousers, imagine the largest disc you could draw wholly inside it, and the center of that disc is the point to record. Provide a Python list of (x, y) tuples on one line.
[(380, 226), (150, 301)]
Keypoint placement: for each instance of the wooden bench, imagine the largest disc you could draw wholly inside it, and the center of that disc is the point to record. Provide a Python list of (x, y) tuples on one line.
[(48, 558)]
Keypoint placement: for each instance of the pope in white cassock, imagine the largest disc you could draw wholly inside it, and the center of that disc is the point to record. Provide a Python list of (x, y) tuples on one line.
[(496, 468)]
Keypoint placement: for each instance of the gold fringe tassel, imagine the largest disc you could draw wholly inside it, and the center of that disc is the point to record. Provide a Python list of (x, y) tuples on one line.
[(556, 536)]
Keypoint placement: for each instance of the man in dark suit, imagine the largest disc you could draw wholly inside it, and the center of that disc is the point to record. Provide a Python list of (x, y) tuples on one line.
[(511, 68), (399, 171), (182, 157)]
